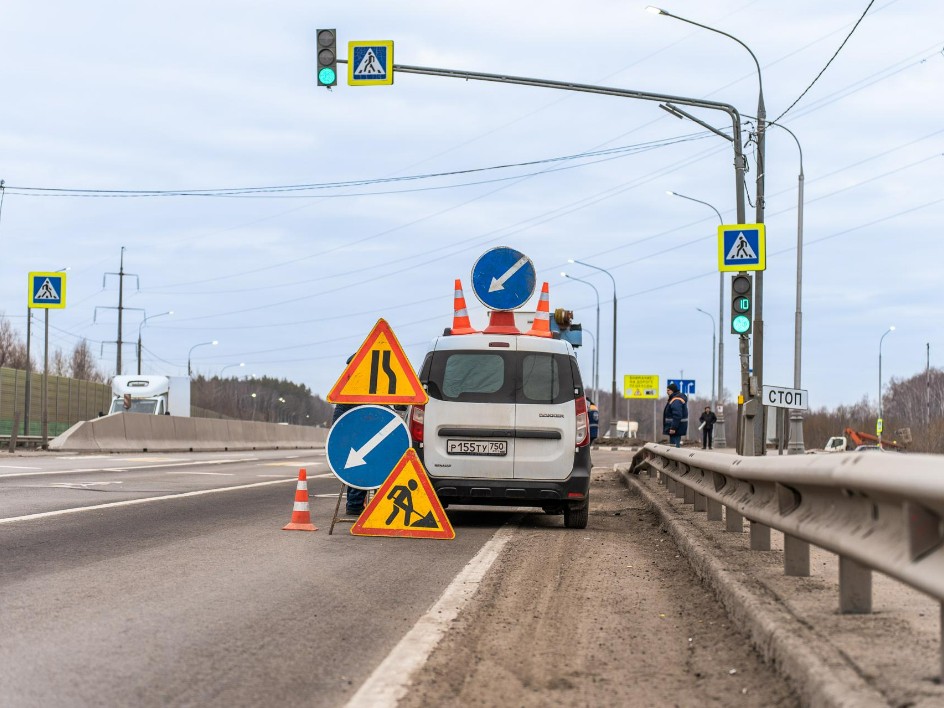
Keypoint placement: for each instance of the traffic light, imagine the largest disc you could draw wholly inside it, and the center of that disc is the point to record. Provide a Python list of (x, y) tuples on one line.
[(327, 58), (742, 303)]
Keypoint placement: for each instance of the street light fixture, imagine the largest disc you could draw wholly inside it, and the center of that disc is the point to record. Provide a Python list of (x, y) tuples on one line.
[(596, 359), (881, 426), (612, 431), (759, 437), (201, 344), (230, 366), (720, 440), (140, 326)]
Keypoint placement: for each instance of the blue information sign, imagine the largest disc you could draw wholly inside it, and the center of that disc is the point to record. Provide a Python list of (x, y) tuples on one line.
[(686, 386), (503, 278), (365, 444)]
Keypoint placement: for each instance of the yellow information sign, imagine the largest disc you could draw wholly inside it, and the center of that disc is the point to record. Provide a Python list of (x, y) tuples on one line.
[(405, 505), (641, 386), (379, 373)]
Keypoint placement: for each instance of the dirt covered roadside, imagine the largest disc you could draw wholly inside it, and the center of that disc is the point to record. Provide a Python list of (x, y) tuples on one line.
[(611, 615)]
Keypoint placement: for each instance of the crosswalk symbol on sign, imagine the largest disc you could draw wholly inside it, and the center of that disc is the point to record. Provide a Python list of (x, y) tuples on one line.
[(379, 373), (405, 506)]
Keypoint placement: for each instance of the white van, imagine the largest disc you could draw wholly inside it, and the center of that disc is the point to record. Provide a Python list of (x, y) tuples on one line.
[(506, 424)]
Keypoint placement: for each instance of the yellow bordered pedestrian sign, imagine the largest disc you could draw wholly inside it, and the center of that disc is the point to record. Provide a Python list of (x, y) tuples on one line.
[(742, 247), (47, 290), (379, 373), (641, 386), (370, 63), (405, 506)]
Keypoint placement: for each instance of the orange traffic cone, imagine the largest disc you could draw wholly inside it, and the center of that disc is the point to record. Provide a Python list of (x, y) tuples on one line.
[(301, 516), (460, 320), (542, 318), (501, 322)]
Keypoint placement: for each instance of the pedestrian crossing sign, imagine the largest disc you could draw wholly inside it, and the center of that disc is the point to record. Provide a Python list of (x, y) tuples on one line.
[(405, 506), (379, 373), (370, 63), (47, 290), (742, 247)]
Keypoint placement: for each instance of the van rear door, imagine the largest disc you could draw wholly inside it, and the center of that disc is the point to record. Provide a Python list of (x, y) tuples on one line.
[(544, 415)]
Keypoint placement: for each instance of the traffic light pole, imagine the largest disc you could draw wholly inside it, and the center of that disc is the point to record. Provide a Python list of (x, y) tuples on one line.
[(739, 167)]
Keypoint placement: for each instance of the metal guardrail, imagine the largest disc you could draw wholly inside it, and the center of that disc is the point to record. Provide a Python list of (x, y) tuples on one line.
[(877, 511)]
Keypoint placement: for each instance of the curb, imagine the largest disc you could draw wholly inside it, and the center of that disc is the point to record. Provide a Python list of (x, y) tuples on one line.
[(821, 675)]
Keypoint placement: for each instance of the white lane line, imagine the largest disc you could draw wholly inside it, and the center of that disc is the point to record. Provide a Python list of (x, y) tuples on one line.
[(42, 474), (215, 474), (132, 502), (12, 467), (82, 485), (388, 683)]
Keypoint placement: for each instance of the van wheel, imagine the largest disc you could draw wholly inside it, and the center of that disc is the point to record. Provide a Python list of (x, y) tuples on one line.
[(575, 516)]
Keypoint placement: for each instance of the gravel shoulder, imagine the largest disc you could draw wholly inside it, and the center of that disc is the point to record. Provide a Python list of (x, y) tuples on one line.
[(609, 615)]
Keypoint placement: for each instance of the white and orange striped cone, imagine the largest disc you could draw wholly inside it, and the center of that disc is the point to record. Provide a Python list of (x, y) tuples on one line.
[(301, 515), (542, 318), (460, 318)]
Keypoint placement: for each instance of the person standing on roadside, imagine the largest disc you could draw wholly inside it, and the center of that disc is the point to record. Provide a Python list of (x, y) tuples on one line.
[(675, 415), (708, 420), (593, 413)]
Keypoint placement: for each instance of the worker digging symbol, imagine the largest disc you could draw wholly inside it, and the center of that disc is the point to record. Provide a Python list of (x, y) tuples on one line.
[(402, 498)]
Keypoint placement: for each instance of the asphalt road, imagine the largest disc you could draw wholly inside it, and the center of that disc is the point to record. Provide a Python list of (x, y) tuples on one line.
[(155, 580)]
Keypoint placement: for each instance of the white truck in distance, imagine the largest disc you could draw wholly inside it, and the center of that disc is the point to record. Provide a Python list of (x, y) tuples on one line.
[(153, 395)]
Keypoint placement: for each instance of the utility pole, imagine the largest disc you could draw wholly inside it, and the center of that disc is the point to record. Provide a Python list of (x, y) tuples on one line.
[(121, 308)]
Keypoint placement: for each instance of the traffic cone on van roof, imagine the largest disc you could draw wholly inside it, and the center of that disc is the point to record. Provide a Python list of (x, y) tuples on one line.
[(460, 318), (542, 318), (501, 322)]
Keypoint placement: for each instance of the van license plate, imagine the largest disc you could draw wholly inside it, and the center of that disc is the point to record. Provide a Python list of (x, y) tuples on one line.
[(477, 447)]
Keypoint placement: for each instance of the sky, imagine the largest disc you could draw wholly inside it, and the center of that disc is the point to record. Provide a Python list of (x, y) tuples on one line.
[(411, 183)]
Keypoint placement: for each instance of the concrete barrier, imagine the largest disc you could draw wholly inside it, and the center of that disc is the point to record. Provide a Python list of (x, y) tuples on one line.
[(137, 432)]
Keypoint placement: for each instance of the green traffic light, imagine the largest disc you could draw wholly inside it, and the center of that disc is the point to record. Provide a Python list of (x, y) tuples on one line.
[(741, 324), (327, 76)]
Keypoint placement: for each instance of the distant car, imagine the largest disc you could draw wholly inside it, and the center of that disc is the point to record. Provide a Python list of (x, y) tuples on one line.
[(869, 448)]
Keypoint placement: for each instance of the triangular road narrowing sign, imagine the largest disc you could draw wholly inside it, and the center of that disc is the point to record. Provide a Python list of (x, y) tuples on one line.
[(405, 505), (379, 373)]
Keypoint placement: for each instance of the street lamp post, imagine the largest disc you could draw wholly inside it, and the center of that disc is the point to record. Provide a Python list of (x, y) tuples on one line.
[(230, 366), (714, 401), (720, 440), (140, 326), (880, 408), (596, 360), (758, 446), (612, 431), (201, 344)]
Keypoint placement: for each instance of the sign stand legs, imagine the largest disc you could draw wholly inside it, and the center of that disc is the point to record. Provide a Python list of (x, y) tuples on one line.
[(335, 519)]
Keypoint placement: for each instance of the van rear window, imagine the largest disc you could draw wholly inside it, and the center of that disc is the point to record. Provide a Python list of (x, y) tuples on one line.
[(500, 377)]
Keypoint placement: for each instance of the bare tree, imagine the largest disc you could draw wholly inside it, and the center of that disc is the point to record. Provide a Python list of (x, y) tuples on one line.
[(12, 348), (83, 366)]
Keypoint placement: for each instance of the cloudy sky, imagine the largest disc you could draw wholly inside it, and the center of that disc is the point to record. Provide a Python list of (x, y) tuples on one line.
[(410, 183)]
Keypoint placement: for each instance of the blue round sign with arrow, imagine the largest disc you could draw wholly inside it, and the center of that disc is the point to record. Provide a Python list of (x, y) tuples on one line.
[(503, 278), (365, 444)]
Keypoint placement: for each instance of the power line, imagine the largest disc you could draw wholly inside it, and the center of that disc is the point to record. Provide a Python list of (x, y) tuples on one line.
[(835, 54)]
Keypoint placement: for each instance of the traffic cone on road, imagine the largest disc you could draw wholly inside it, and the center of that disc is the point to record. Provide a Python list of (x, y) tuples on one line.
[(460, 320), (541, 327), (301, 516)]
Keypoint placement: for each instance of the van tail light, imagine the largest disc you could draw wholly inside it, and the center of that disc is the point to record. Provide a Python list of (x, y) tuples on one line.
[(417, 415), (583, 421)]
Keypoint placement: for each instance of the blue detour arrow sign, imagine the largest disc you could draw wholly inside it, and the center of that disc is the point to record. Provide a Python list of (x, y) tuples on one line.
[(503, 278), (365, 444)]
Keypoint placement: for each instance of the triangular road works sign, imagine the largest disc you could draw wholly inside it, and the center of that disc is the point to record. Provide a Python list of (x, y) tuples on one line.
[(379, 373), (405, 505)]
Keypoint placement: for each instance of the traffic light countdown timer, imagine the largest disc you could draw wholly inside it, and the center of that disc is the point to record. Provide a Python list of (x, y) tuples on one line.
[(742, 302), (327, 57)]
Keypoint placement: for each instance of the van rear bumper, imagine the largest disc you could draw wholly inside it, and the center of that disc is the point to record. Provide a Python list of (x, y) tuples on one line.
[(516, 492)]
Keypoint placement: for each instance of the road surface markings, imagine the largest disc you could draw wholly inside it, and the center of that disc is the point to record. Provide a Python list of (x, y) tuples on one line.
[(82, 485), (388, 683), (132, 502), (12, 467), (215, 474)]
